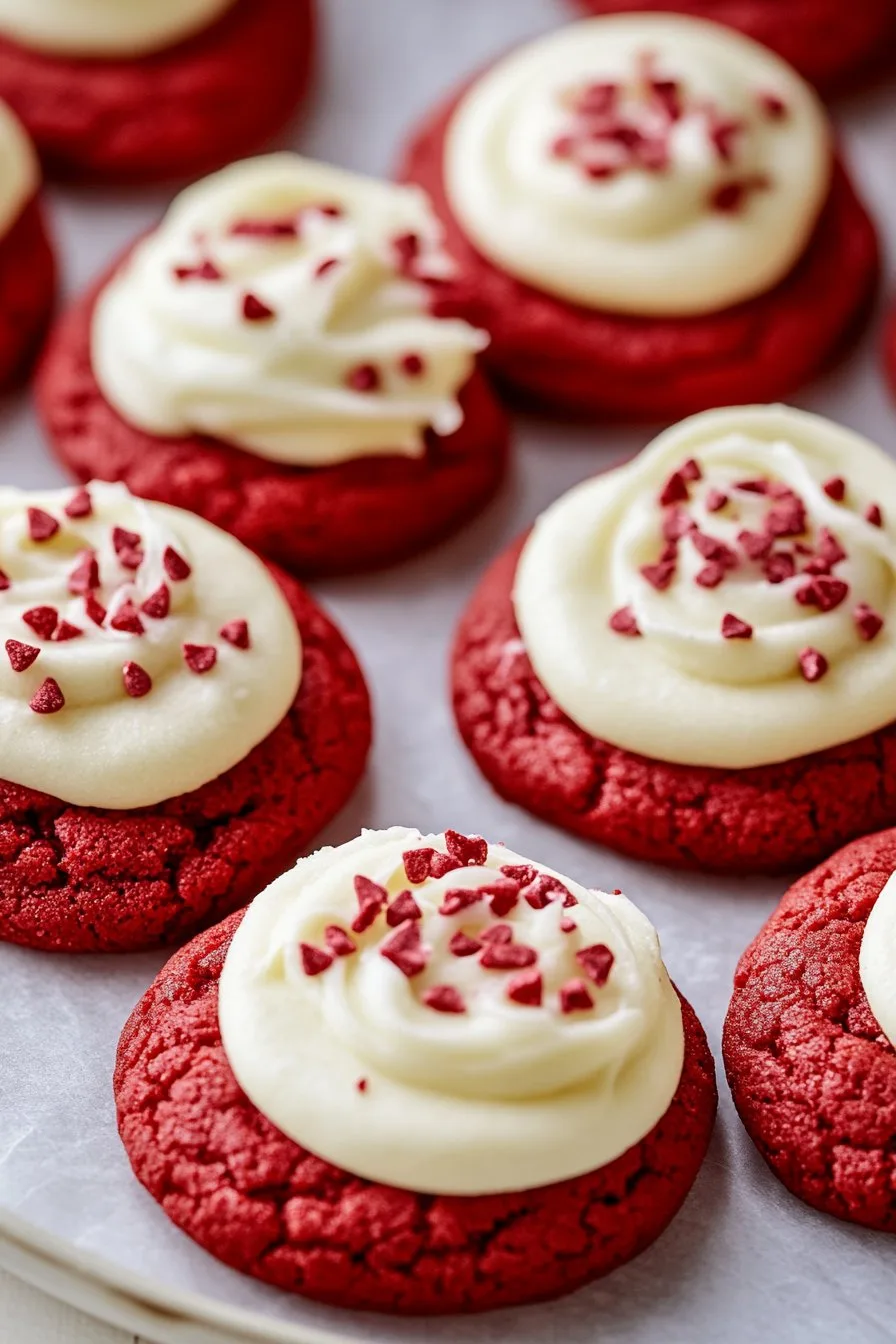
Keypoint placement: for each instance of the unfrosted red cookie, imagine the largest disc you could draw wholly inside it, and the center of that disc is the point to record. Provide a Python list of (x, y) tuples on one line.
[(352, 516), (174, 113), (835, 45), (812, 1075), (256, 1200), (761, 819), (75, 879), (555, 356), (27, 291)]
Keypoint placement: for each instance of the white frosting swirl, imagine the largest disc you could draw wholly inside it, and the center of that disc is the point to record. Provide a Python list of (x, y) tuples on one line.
[(168, 691), (649, 164), (355, 1063), (877, 960), (106, 28), (682, 691), (280, 307), (19, 171)]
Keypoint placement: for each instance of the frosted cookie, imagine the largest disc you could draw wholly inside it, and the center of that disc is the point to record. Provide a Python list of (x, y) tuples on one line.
[(127, 90), (810, 1035), (649, 219), (692, 658), (269, 358), (177, 721), (455, 1080)]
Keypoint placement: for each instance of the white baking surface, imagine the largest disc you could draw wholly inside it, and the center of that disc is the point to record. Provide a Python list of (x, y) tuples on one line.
[(744, 1260)]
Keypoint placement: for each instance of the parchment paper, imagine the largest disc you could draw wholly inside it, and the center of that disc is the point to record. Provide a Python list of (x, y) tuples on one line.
[(744, 1261)]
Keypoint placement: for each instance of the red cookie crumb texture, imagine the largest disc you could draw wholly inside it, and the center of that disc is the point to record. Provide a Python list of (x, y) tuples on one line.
[(553, 355), (177, 113), (76, 879), (27, 292), (812, 1075), (764, 819), (341, 519), (267, 1207), (834, 45)]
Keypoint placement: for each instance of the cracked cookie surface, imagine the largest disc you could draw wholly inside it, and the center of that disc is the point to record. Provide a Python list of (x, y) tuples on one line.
[(763, 819), (812, 1075), (329, 520), (176, 113), (78, 879), (556, 356), (256, 1200)]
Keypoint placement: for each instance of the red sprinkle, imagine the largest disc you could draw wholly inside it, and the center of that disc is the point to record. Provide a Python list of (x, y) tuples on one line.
[(787, 518), (416, 864), (835, 488), (42, 620), (779, 567), (691, 470), (545, 889), (265, 228), (523, 873), (624, 622), (324, 267), (675, 491), (314, 959), (503, 901), (338, 941), (731, 197), (459, 898), (65, 631), (774, 107), (79, 506), (407, 248), (361, 1084), (575, 997), (199, 658), (48, 698), (158, 604), (403, 907), (868, 623), (462, 945), (711, 575), (86, 574), (497, 933), (660, 575), (21, 656), (125, 541), (443, 999), (372, 898), (254, 310), (822, 591), (41, 526), (469, 850), (813, 664), (734, 628), (176, 566), (404, 948), (236, 633), (715, 499), (413, 366), (440, 864), (597, 963), (829, 548), (4, 582), (137, 681), (874, 515), (759, 486), (94, 610), (711, 548), (507, 956), (364, 378), (128, 620), (676, 524), (568, 925), (205, 270), (526, 989)]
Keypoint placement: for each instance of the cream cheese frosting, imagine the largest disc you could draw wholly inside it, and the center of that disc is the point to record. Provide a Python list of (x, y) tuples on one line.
[(647, 164), (19, 171), (106, 28), (446, 1016), (727, 598), (282, 306), (144, 652), (877, 960)]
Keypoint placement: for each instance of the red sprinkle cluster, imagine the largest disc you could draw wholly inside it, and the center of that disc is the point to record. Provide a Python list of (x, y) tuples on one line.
[(781, 548), (494, 945), (84, 581), (605, 138)]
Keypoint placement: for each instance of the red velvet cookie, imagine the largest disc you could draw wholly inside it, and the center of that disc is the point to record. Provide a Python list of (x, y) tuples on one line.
[(256, 1199), (176, 112), (352, 511), (564, 356), (835, 45), (27, 291), (812, 1074), (121, 877), (760, 812)]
